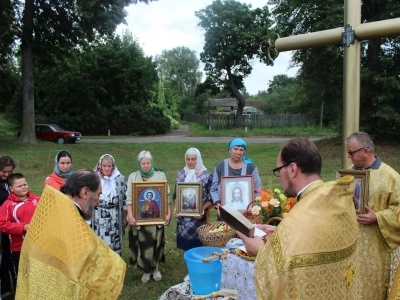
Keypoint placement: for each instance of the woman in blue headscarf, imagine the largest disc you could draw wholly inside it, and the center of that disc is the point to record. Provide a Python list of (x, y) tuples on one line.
[(236, 165)]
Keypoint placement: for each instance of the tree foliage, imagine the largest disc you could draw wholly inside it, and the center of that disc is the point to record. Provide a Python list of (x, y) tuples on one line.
[(48, 29), (233, 35), (321, 68), (104, 83), (179, 75), (283, 96)]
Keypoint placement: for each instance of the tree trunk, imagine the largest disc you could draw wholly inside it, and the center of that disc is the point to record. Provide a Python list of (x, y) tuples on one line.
[(28, 100), (240, 99)]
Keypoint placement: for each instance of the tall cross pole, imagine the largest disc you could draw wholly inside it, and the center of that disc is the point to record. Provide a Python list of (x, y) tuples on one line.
[(350, 36)]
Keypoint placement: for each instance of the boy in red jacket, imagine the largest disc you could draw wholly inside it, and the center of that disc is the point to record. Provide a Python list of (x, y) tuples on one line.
[(16, 214)]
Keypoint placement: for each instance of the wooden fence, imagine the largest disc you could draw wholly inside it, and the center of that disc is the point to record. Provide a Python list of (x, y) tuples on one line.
[(213, 121)]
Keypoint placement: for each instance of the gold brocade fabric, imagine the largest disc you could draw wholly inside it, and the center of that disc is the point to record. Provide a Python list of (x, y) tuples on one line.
[(62, 258), (311, 253), (377, 250)]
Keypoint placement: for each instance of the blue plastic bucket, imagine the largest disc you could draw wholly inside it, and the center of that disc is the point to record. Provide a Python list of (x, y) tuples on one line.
[(205, 277)]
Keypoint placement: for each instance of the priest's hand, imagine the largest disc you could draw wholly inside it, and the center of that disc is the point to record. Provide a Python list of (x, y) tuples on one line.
[(268, 229), (251, 244), (367, 219)]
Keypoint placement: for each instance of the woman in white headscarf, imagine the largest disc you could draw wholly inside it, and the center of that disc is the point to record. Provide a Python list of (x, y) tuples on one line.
[(194, 171), (109, 218)]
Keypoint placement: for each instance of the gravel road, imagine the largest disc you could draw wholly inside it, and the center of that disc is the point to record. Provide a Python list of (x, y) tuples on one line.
[(181, 136)]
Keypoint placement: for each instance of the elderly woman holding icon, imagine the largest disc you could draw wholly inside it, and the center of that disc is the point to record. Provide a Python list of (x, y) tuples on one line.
[(236, 165)]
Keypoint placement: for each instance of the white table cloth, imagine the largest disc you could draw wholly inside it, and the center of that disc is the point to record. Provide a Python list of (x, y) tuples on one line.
[(237, 274)]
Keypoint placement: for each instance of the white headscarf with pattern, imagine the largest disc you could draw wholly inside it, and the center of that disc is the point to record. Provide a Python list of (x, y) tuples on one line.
[(109, 186), (191, 174)]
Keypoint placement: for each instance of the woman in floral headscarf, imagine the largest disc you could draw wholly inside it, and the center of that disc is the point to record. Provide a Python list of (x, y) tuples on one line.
[(109, 218), (62, 170), (194, 171)]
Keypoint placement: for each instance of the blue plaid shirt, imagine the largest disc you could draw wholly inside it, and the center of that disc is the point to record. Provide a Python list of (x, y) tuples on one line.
[(205, 178)]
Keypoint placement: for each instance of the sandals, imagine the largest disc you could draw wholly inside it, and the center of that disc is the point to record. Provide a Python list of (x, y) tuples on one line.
[(145, 277), (156, 275)]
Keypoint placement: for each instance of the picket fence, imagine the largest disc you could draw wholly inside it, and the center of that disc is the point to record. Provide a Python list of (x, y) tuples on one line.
[(214, 121)]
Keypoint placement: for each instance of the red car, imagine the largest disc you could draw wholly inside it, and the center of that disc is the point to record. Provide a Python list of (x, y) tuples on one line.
[(54, 133)]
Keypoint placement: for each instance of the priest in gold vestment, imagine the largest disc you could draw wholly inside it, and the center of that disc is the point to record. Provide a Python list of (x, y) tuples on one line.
[(61, 256), (310, 255), (379, 235)]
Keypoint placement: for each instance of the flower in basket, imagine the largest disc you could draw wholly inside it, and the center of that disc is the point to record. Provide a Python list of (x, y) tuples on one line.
[(268, 204), (288, 205), (271, 203)]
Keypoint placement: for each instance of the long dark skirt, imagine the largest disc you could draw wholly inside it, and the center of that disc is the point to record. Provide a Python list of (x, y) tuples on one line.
[(147, 247), (186, 232)]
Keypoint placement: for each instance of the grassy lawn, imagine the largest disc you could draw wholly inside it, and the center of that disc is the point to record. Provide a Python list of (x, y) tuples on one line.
[(200, 130), (36, 162)]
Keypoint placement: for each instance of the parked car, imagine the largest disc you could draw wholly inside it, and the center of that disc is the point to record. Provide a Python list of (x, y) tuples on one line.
[(54, 133)]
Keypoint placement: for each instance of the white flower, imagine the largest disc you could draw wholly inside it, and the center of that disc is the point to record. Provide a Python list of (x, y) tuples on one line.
[(274, 202)]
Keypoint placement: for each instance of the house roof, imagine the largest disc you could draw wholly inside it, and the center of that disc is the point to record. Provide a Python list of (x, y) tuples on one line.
[(230, 102)]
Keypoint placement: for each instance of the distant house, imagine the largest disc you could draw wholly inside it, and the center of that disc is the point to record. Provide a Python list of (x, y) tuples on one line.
[(229, 105), (226, 104)]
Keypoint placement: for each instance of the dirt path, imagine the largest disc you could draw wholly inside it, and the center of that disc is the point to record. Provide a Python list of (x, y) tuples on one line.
[(180, 135)]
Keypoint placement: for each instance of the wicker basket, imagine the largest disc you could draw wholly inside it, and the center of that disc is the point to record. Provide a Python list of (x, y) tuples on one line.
[(215, 239), (274, 220), (252, 218)]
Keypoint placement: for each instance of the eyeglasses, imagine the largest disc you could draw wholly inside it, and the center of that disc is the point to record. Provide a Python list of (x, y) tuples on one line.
[(277, 171), (351, 153)]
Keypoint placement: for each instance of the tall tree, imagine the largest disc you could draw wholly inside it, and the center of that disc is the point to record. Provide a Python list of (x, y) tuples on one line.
[(234, 35), (179, 72), (49, 28)]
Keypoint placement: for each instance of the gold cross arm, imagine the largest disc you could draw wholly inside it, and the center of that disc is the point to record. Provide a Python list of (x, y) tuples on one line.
[(366, 31)]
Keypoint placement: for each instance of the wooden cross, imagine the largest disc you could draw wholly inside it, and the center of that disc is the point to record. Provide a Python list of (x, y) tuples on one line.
[(354, 32)]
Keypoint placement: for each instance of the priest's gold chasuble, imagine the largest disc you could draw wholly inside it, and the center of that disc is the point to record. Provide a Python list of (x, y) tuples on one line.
[(62, 258), (311, 253), (378, 244)]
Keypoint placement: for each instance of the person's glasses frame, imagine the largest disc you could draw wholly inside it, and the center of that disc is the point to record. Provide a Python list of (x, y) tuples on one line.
[(351, 153), (277, 170)]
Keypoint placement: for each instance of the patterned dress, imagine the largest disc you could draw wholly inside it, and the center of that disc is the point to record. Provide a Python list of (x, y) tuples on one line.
[(107, 217), (187, 237)]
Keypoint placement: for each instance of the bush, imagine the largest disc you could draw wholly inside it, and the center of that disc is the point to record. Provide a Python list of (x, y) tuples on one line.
[(120, 120), (175, 124)]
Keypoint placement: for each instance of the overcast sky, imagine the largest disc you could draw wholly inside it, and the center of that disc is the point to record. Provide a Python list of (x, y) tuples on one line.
[(166, 24)]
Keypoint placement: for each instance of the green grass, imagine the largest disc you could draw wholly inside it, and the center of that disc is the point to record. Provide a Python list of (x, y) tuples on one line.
[(36, 162), (200, 130)]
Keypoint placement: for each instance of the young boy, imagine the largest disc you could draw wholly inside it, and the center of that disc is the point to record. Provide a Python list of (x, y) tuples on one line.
[(16, 214)]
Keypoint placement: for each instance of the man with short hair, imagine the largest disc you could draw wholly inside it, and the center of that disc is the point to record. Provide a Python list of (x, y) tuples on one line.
[(379, 236), (62, 257), (309, 255)]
